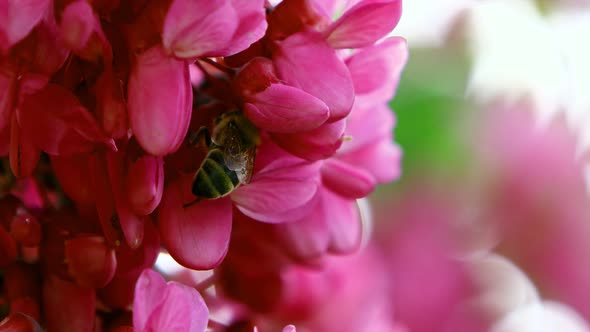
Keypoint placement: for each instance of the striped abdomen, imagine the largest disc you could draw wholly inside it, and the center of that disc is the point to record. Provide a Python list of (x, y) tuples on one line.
[(214, 179)]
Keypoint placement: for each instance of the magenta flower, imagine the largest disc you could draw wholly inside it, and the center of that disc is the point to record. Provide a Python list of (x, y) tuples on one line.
[(205, 227), (161, 306)]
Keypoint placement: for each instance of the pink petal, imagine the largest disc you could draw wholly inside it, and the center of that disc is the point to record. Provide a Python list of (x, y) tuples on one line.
[(278, 195), (19, 322), (195, 28), (376, 70), (149, 294), (304, 60), (159, 101), (111, 106), (182, 309), (367, 125), (46, 50), (344, 223), (364, 24), (8, 248), (8, 95), (67, 306), (381, 158), (77, 24), (285, 109), (347, 180), (105, 202), (90, 261), (308, 237), (197, 236), (55, 122), (131, 224), (251, 27), (23, 154), (17, 19), (289, 328), (316, 144), (145, 184), (73, 173)]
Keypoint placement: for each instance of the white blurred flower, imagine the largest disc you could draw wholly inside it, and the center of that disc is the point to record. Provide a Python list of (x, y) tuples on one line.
[(543, 316), (516, 55), (427, 23)]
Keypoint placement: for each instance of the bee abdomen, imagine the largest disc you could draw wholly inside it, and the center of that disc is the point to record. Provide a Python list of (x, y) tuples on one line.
[(214, 179)]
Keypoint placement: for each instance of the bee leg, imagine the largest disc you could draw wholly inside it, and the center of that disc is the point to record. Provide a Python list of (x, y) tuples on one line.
[(189, 204), (202, 133)]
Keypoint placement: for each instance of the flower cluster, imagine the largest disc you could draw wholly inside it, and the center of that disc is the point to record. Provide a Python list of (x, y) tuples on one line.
[(232, 134)]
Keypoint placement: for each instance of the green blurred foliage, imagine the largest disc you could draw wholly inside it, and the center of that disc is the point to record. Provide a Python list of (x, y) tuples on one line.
[(431, 109)]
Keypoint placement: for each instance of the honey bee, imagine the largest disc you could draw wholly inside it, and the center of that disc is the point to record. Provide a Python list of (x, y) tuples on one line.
[(230, 158)]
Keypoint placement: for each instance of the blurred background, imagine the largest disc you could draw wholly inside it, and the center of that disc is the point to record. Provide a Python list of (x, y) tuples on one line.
[(488, 227)]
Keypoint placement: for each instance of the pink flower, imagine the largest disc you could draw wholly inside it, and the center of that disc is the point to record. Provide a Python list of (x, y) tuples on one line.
[(279, 180), (160, 101), (161, 306)]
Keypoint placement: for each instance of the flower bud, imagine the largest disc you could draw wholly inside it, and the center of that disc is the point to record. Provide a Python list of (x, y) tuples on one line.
[(145, 183), (90, 261), (26, 230), (160, 101)]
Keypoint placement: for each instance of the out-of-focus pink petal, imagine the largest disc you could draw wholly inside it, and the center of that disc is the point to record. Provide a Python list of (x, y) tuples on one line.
[(316, 144), (376, 70), (347, 180), (289, 328), (285, 109), (55, 122), (278, 195), (145, 184), (197, 236), (195, 28), (160, 101), (90, 261), (68, 307), (149, 294), (251, 27), (304, 60), (182, 309), (364, 24), (17, 19)]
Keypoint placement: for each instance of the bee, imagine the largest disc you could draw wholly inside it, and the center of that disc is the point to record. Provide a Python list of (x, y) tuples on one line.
[(230, 158)]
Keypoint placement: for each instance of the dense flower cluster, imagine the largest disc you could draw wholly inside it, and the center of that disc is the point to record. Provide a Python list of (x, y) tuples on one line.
[(113, 115)]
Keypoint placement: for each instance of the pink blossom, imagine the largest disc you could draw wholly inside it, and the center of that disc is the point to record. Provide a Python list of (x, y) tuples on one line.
[(279, 180), (161, 306)]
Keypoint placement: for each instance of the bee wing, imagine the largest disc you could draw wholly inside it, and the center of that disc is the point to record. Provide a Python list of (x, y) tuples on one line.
[(245, 173)]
